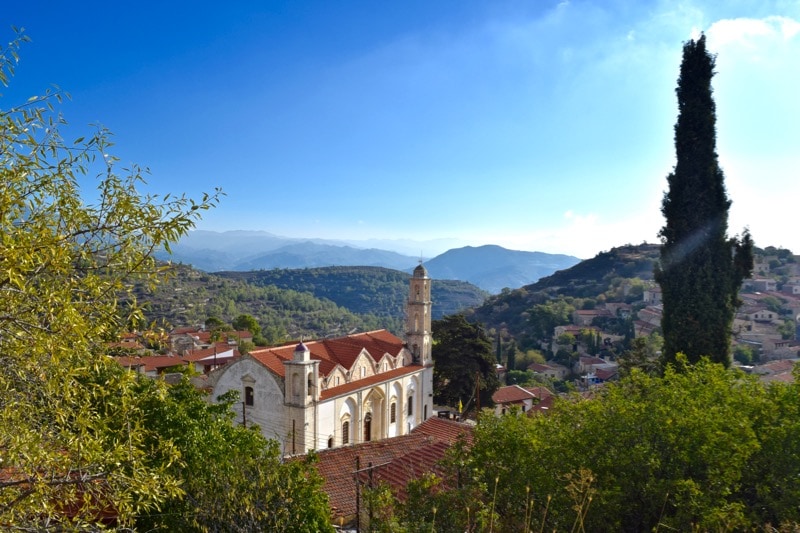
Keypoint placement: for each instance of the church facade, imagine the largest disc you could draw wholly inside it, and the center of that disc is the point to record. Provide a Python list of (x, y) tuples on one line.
[(335, 392)]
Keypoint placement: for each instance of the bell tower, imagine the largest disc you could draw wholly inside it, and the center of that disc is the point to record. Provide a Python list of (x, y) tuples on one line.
[(418, 325)]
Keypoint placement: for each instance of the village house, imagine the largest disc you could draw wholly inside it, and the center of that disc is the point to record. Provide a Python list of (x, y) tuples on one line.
[(762, 284), (523, 398), (551, 370), (335, 392), (652, 295)]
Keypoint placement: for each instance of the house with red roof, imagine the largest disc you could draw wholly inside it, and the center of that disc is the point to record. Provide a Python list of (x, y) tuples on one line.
[(335, 392), (523, 398)]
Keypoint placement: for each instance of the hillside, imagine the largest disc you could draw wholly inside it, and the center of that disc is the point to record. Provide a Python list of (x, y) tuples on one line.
[(588, 279), (189, 297), (365, 290)]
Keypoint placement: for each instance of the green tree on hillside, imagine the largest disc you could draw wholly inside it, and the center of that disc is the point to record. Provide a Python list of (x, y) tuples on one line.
[(462, 353), (701, 269)]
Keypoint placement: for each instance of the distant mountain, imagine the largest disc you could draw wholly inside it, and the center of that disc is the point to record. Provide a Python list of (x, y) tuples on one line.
[(213, 251), (493, 268), (309, 254), (489, 267)]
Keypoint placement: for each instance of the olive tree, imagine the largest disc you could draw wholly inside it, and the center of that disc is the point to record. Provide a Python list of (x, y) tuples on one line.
[(71, 431)]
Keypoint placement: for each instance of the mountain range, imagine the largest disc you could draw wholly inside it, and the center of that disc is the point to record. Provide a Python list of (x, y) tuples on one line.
[(490, 267)]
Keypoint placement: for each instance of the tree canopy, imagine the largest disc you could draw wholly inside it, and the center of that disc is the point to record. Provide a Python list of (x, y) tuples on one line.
[(462, 355), (85, 444), (701, 269), (701, 448)]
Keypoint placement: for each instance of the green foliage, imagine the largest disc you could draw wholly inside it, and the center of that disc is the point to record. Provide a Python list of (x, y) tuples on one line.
[(701, 270), (787, 329), (511, 357), (643, 354), (246, 322), (773, 304), (71, 435), (699, 449), (520, 377), (743, 354), (462, 353), (566, 339), (233, 478), (543, 318)]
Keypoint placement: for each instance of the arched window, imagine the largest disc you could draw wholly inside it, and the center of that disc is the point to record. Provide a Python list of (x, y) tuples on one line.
[(330, 442), (346, 432), (310, 382), (249, 396), (393, 413), (410, 411), (368, 427)]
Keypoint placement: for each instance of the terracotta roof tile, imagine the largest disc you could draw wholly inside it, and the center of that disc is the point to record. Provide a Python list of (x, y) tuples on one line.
[(331, 352), (151, 362), (396, 460), (511, 393)]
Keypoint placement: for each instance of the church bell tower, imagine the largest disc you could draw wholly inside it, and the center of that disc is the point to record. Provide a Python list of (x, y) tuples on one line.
[(418, 326)]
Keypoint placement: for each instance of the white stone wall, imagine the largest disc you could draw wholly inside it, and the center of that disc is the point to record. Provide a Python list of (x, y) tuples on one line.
[(267, 410)]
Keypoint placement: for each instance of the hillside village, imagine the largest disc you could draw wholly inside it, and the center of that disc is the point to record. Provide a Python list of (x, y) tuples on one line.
[(356, 391)]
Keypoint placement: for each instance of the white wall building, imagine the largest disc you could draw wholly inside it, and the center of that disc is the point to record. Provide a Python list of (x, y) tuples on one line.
[(335, 392)]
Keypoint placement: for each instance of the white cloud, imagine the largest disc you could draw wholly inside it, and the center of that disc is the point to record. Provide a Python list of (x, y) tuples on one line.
[(750, 32)]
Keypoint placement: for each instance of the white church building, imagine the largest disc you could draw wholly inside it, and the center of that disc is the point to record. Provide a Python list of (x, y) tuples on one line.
[(334, 392)]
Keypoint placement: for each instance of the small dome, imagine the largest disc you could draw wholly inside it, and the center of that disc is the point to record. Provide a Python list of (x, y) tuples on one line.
[(420, 272), (301, 347)]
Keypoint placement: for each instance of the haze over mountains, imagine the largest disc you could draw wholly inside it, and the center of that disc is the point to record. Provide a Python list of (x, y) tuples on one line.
[(489, 267)]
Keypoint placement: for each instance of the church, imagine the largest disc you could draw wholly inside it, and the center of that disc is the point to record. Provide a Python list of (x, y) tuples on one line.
[(335, 392)]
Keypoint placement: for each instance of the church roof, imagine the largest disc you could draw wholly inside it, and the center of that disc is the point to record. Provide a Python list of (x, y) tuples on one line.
[(331, 352)]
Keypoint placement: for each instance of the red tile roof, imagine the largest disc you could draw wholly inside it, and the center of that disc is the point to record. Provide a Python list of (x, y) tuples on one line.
[(395, 461), (515, 393), (151, 362), (511, 394), (330, 352)]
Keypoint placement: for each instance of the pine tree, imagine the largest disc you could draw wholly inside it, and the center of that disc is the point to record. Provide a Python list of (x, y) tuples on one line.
[(701, 269)]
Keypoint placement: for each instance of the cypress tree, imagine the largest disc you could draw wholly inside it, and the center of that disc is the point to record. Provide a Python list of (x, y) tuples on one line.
[(700, 269)]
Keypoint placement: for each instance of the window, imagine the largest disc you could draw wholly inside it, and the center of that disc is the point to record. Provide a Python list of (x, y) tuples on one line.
[(368, 427), (393, 413), (249, 397), (330, 442), (310, 382), (425, 411), (410, 406), (346, 432)]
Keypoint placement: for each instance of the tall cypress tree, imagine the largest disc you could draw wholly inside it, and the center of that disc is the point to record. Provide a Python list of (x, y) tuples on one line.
[(701, 269)]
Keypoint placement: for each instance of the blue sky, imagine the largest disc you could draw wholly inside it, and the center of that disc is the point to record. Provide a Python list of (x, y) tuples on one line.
[(538, 125)]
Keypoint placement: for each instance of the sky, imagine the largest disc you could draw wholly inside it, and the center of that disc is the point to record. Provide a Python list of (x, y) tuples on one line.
[(535, 125)]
